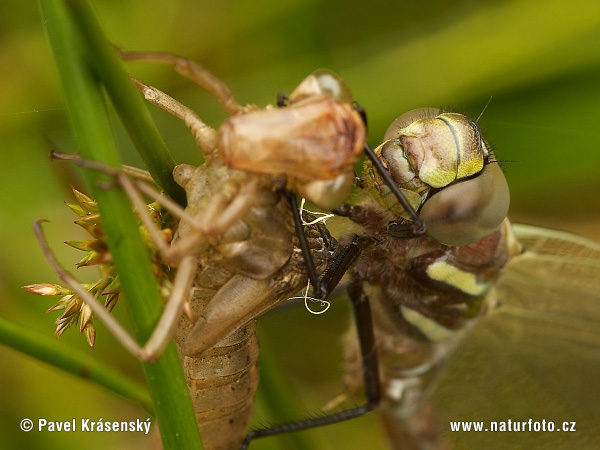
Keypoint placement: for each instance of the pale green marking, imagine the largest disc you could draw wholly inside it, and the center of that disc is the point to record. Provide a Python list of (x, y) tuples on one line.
[(449, 274)]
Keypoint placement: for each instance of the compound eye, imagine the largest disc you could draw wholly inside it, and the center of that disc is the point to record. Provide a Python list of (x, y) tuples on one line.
[(407, 118), (467, 211), (332, 84), (322, 82)]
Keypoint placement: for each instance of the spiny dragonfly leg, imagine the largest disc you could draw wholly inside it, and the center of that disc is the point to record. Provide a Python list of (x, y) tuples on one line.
[(364, 325), (362, 316), (362, 313), (204, 135), (163, 332), (132, 188), (131, 171), (225, 209), (336, 269), (194, 72)]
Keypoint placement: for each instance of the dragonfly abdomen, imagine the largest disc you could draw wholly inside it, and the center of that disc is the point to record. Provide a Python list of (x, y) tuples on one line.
[(222, 382)]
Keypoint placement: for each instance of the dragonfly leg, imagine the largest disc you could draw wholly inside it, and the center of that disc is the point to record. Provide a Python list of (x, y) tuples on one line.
[(204, 135), (194, 72), (364, 324), (131, 171), (336, 269), (224, 209), (164, 330)]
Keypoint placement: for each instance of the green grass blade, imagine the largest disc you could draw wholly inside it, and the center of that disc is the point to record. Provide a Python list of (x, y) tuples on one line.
[(71, 361), (91, 123), (128, 102)]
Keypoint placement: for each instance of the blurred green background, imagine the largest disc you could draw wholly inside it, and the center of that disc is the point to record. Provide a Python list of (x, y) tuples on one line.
[(538, 61)]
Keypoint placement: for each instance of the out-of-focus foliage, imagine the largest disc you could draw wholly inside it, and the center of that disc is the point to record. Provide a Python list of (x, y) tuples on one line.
[(539, 61)]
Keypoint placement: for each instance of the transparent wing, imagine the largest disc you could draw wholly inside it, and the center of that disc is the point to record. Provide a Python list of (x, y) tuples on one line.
[(537, 356)]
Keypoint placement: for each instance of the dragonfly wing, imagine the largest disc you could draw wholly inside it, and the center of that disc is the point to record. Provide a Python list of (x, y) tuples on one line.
[(537, 356)]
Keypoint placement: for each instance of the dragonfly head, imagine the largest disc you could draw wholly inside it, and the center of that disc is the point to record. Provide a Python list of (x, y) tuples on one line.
[(444, 167)]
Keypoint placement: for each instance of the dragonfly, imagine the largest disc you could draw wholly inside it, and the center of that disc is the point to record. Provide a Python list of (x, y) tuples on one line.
[(413, 401), (477, 322), (532, 349)]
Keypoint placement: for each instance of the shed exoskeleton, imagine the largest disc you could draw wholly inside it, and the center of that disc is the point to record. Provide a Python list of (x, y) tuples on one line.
[(235, 248)]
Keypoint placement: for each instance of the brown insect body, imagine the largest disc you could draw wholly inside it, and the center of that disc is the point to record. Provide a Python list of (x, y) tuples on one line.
[(240, 230), (417, 318), (243, 271)]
